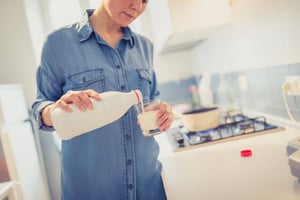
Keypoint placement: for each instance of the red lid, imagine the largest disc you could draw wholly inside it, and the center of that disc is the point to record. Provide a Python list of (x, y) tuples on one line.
[(246, 153)]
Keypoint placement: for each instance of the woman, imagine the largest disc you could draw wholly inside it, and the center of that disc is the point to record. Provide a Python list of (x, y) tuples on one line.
[(98, 54)]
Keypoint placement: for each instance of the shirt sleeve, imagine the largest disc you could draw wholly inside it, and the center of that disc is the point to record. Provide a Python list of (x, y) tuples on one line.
[(154, 91), (48, 90), (38, 116)]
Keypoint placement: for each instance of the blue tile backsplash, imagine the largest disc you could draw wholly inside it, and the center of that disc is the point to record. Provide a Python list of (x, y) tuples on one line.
[(177, 91), (264, 92)]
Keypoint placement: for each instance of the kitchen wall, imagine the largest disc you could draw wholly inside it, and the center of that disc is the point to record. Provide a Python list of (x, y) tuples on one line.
[(262, 34), (181, 94), (175, 66), (261, 90), (17, 63), (262, 45)]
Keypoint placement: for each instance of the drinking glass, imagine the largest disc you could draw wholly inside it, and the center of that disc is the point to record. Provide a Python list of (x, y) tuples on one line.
[(147, 117)]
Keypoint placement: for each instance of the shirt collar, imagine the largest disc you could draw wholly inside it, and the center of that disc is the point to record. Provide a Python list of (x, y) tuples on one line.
[(84, 29)]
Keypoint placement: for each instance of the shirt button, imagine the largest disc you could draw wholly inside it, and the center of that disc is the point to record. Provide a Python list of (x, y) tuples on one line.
[(118, 67), (128, 137), (129, 162), (130, 186), (123, 87)]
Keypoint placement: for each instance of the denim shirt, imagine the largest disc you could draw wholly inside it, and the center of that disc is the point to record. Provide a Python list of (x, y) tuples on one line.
[(116, 161)]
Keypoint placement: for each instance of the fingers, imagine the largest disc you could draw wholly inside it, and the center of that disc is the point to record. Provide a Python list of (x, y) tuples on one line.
[(63, 105), (93, 94), (81, 99), (165, 117)]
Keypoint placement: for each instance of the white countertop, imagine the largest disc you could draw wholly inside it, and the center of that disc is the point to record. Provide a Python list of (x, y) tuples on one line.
[(218, 172)]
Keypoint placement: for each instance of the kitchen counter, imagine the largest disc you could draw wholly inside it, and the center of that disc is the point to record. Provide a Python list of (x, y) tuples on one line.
[(218, 172)]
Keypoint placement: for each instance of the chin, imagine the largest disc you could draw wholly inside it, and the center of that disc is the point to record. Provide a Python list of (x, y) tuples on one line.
[(125, 24)]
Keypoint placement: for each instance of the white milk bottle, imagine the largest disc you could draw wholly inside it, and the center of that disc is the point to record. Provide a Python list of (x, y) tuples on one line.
[(112, 107)]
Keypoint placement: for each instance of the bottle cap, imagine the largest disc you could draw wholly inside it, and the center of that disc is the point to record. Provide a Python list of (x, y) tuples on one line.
[(246, 152), (139, 95)]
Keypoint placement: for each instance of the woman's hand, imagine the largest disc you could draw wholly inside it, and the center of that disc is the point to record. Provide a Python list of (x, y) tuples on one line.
[(165, 116), (82, 99)]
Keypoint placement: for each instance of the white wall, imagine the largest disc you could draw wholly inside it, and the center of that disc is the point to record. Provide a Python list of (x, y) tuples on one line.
[(17, 61), (174, 66), (263, 33), (21, 40)]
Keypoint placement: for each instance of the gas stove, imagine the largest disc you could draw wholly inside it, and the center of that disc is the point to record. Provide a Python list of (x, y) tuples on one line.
[(233, 125)]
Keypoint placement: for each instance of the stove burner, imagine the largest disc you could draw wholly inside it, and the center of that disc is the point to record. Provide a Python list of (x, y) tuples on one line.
[(246, 127), (201, 136), (234, 126), (233, 116)]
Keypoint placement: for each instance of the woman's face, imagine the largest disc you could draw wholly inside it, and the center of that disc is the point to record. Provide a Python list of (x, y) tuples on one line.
[(123, 12)]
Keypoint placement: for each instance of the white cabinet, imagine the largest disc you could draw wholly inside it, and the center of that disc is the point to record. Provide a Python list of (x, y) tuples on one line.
[(23, 162), (12, 104), (7, 191), (24, 165), (178, 24)]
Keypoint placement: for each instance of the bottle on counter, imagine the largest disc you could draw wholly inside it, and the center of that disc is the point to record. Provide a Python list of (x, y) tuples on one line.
[(112, 107), (205, 92)]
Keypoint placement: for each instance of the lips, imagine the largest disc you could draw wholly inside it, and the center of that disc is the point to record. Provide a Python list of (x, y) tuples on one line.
[(129, 15)]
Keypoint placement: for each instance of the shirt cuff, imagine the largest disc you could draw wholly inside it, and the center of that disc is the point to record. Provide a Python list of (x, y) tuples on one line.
[(38, 116)]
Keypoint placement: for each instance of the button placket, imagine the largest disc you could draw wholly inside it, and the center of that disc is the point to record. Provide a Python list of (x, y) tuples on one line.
[(129, 157), (123, 87), (129, 154), (128, 137), (119, 71)]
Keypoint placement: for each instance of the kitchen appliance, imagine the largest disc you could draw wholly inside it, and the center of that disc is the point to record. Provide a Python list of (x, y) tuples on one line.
[(293, 152), (233, 125), (291, 88)]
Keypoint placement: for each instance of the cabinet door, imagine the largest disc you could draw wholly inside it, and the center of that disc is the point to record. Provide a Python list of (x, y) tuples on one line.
[(178, 24), (4, 175), (12, 104), (23, 163)]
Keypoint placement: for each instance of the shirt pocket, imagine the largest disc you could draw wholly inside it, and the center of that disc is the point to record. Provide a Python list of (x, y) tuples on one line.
[(91, 79), (144, 82)]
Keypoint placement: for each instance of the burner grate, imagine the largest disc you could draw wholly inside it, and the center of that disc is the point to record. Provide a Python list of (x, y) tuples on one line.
[(233, 127)]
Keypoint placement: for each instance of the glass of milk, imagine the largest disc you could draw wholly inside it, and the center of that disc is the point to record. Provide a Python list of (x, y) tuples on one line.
[(147, 117)]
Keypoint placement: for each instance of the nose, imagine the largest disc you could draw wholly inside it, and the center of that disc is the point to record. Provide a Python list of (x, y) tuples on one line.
[(136, 4)]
